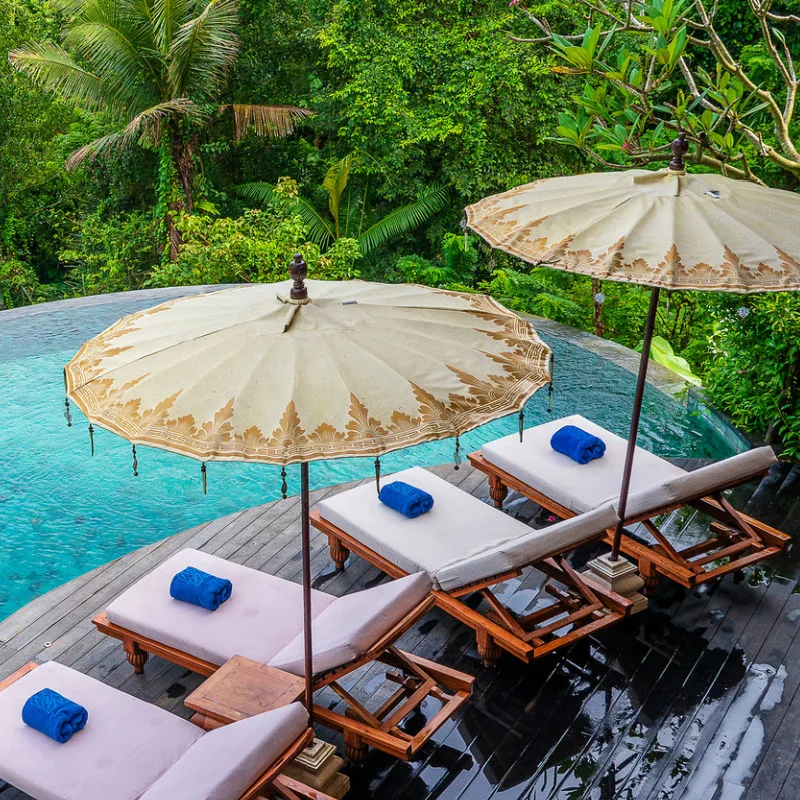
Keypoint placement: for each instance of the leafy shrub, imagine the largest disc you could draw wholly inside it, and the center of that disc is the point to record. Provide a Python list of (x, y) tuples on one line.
[(112, 254), (755, 372)]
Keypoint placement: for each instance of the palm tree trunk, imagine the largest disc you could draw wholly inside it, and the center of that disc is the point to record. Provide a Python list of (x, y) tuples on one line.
[(183, 152)]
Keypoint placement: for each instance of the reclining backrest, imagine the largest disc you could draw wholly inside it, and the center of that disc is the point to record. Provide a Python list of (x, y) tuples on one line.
[(701, 482), (224, 763), (351, 624), (526, 549)]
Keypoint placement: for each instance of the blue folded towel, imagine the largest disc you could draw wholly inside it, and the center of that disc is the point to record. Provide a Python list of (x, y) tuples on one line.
[(195, 586), (54, 715), (406, 499), (576, 443)]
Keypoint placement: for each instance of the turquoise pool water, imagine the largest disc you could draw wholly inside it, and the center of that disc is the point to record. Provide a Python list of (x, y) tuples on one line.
[(63, 512)]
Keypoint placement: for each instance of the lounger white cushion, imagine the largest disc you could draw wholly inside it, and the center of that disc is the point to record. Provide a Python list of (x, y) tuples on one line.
[(459, 530), (262, 616), (655, 482), (578, 487), (126, 744), (458, 525), (702, 482), (263, 619), (350, 625), (224, 763), (535, 545)]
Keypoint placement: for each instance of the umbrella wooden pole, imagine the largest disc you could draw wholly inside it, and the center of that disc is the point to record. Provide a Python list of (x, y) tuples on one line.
[(637, 412), (306, 547)]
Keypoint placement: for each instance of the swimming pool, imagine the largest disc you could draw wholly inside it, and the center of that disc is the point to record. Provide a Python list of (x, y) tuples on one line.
[(64, 512)]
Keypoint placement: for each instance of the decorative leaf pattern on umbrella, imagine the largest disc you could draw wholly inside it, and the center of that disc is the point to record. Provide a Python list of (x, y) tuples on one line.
[(319, 423)]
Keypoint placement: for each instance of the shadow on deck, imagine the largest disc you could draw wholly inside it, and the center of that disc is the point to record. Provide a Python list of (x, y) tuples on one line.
[(695, 698)]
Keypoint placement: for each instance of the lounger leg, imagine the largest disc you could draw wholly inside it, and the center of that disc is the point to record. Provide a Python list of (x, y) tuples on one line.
[(649, 575), (339, 553), (354, 748), (497, 491), (487, 648), (137, 657)]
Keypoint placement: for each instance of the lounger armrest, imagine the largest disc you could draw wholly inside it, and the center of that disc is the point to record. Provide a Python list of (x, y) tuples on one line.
[(224, 763), (701, 482), (352, 624), (527, 549)]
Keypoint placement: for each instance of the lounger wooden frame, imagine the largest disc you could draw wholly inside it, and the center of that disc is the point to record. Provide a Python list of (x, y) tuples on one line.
[(583, 608), (738, 540), (416, 679), (284, 786)]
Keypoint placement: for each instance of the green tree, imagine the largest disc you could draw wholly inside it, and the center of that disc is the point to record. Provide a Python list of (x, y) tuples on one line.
[(158, 70), (723, 72)]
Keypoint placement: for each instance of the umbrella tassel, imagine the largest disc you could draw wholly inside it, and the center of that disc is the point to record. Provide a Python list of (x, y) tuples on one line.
[(284, 485), (135, 462), (91, 437), (203, 472), (550, 387), (521, 423), (378, 474), (457, 454), (67, 412)]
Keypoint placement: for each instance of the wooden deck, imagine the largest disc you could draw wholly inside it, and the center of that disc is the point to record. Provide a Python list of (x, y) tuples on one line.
[(695, 698)]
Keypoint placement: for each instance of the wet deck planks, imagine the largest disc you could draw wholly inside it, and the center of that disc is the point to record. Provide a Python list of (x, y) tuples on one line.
[(698, 697)]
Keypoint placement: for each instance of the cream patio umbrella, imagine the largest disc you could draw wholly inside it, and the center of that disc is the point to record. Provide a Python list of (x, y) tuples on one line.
[(665, 229), (283, 373)]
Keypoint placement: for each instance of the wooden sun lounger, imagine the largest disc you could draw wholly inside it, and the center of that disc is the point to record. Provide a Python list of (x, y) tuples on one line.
[(580, 606), (416, 680), (268, 785), (737, 540)]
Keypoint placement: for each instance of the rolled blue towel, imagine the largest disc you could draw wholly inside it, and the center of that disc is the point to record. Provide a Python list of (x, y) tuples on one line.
[(54, 715), (406, 499), (195, 586), (576, 443)]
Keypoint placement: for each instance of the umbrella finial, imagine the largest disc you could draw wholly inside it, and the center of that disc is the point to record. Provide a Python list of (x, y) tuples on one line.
[(298, 270), (680, 147)]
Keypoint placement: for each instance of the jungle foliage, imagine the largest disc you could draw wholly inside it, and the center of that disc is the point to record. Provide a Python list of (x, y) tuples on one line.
[(205, 141)]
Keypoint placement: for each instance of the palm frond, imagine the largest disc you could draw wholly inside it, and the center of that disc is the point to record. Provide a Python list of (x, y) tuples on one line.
[(403, 219), (318, 229), (145, 125), (120, 51), (168, 16), (203, 49), (278, 121), (335, 183), (50, 66), (259, 191)]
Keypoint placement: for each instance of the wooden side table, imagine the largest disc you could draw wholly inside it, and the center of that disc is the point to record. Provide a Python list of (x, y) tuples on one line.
[(242, 688)]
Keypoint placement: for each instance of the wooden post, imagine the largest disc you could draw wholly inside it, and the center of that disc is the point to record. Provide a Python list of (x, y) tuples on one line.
[(637, 412), (306, 548)]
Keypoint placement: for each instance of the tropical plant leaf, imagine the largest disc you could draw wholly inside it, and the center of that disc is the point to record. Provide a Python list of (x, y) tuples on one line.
[(145, 124), (662, 353), (318, 228), (54, 68), (111, 37), (203, 49), (335, 184), (403, 219), (259, 191), (278, 121)]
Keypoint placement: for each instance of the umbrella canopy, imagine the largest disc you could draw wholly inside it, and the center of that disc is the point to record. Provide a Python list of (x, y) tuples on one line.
[(248, 374), (287, 373), (664, 229)]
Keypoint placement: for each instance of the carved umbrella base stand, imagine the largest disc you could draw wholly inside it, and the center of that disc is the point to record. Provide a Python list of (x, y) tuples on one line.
[(620, 576)]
